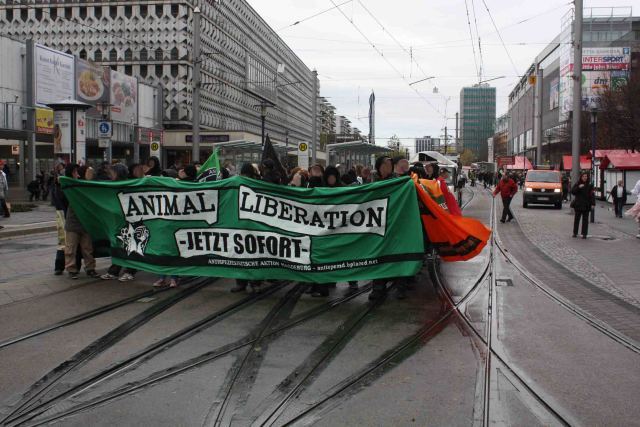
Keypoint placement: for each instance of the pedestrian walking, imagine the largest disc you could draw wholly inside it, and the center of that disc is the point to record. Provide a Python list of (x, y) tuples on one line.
[(507, 188), (4, 194), (634, 212), (619, 198), (584, 198)]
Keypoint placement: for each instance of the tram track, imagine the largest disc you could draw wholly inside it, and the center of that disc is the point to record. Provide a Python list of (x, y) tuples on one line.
[(40, 387), (80, 317), (28, 417)]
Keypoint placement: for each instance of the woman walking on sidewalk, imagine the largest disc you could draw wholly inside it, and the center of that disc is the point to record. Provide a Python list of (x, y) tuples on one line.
[(634, 212), (584, 199)]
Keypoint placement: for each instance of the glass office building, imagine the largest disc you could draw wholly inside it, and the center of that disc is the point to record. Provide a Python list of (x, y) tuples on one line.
[(477, 118)]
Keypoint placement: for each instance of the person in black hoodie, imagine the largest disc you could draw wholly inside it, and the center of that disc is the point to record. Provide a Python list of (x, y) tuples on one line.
[(154, 166), (584, 199), (188, 173)]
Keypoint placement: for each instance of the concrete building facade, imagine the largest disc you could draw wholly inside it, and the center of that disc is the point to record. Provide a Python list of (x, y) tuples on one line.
[(244, 63)]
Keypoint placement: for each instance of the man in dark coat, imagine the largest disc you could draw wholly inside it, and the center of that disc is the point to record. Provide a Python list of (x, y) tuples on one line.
[(584, 199), (619, 197)]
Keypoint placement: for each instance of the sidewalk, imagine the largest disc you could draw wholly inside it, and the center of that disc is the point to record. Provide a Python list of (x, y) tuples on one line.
[(40, 220), (608, 258)]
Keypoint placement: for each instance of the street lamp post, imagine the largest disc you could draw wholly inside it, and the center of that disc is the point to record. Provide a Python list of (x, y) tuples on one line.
[(263, 115), (594, 123)]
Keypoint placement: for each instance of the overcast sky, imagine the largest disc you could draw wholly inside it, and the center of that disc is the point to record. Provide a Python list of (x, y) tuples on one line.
[(438, 35)]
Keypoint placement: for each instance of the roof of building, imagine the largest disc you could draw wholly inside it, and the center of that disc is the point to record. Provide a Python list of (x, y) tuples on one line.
[(622, 161), (520, 163), (360, 147), (585, 162)]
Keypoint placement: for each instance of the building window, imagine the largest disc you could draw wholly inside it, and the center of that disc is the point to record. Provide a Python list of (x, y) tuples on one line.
[(39, 14), (159, 54), (159, 10), (113, 11), (143, 10), (68, 13), (174, 70), (97, 12), (158, 71), (83, 54), (174, 114), (113, 55), (83, 12), (174, 53), (114, 67), (144, 55), (128, 55), (127, 11), (53, 13), (128, 70), (143, 71), (24, 14), (174, 10), (97, 56), (9, 15)]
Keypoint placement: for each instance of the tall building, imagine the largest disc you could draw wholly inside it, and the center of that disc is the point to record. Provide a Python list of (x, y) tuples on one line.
[(610, 55), (477, 118), (244, 63)]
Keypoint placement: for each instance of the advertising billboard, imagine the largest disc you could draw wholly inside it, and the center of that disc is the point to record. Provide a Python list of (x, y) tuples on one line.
[(92, 83), (62, 132), (554, 94), (124, 97), (54, 75), (606, 58), (44, 120)]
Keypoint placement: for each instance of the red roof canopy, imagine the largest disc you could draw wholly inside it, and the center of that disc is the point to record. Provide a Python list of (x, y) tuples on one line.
[(624, 160), (585, 162), (603, 153), (520, 163)]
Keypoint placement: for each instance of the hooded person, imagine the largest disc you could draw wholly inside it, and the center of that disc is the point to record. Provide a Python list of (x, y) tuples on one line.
[(331, 177), (188, 173), (154, 166)]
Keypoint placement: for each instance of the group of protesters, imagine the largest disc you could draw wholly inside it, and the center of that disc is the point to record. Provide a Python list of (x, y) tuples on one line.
[(75, 244)]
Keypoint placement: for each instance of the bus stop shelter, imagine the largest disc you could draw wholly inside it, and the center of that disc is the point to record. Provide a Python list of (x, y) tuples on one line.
[(354, 152), (243, 151)]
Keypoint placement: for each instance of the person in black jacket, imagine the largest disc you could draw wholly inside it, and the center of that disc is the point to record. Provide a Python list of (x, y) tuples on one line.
[(584, 199), (619, 197)]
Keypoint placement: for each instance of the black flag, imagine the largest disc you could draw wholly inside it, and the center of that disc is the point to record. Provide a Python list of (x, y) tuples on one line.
[(272, 169)]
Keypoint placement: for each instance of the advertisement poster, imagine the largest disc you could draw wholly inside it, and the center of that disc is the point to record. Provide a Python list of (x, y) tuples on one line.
[(44, 120), (606, 58), (124, 98), (54, 75), (62, 132), (81, 137), (92, 84), (554, 94)]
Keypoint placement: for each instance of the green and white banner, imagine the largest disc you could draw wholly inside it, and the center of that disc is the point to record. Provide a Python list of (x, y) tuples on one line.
[(248, 229)]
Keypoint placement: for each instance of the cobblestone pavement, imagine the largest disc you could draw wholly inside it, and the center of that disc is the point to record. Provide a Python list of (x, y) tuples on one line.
[(593, 260)]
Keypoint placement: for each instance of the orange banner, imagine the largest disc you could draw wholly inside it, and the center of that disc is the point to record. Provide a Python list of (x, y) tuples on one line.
[(455, 238)]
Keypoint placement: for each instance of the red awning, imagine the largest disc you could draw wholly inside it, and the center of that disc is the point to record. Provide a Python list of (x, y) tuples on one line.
[(520, 163), (603, 153), (624, 161), (585, 162)]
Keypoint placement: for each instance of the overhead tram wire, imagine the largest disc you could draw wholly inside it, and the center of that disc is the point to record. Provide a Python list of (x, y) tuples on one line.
[(475, 20), (313, 16), (500, 37), (473, 46), (385, 58)]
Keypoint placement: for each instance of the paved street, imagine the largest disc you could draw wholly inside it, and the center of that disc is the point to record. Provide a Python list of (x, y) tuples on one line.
[(200, 355)]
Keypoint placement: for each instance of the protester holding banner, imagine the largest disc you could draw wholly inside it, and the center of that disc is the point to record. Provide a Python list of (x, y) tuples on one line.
[(153, 166), (450, 199), (75, 235)]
